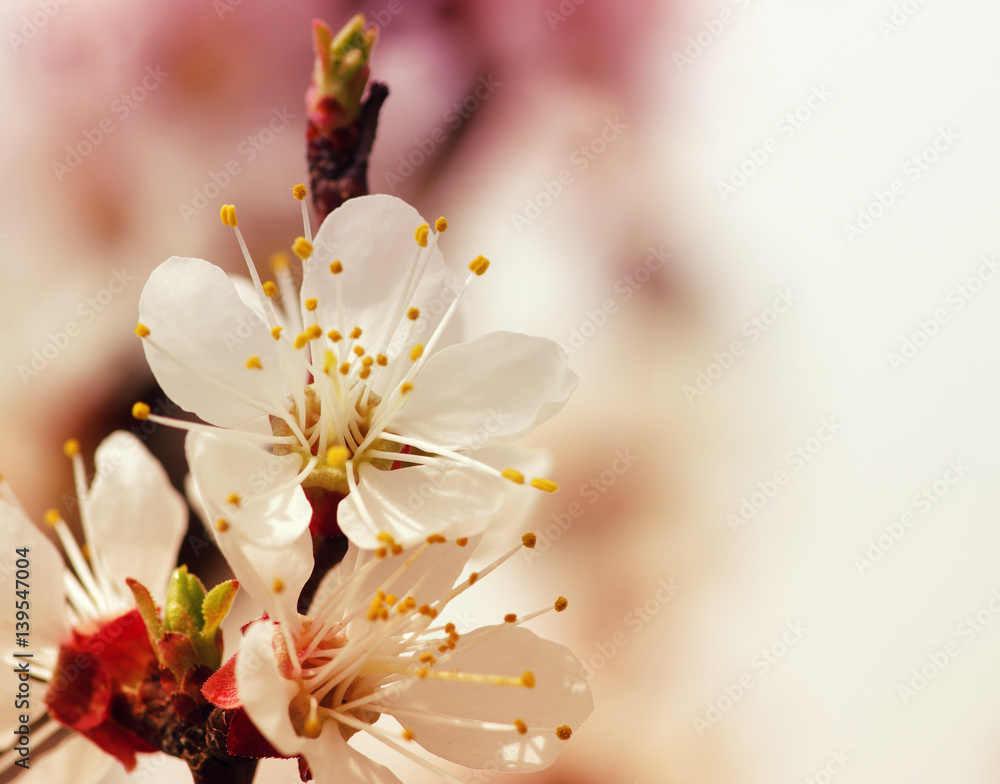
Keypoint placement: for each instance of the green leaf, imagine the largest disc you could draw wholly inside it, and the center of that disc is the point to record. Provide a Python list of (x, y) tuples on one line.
[(148, 611), (214, 610), (184, 599)]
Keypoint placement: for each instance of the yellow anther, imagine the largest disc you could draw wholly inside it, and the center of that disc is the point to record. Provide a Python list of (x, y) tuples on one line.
[(561, 604), (390, 599), (396, 549), (473, 577), (426, 609), (381, 552), (71, 448), (513, 475), (405, 388), (355, 333), (52, 517), (311, 303), (140, 411), (450, 628), (234, 500), (528, 680), (278, 585), (407, 733), (279, 260), (368, 361), (423, 672), (417, 351), (336, 456), (522, 728), (275, 332), (413, 314), (270, 288), (406, 605), (301, 339), (421, 234), (510, 618), (365, 372), (228, 215), (345, 368), (436, 539), (428, 658), (302, 248), (386, 537), (529, 540), (564, 732), (382, 360), (312, 727), (545, 485), (254, 362), (336, 267), (142, 330), (373, 614), (299, 191), (440, 224), (334, 335), (461, 542), (85, 549), (314, 331), (359, 350), (221, 525), (479, 265)]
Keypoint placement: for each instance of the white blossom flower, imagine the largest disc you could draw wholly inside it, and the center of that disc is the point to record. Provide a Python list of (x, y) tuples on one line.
[(375, 643), (133, 522), (351, 374)]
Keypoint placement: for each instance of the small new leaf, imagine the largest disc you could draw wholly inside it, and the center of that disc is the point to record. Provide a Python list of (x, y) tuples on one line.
[(214, 610), (148, 611), (184, 600)]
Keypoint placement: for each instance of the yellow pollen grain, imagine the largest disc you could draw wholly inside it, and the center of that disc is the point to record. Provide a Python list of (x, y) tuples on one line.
[(301, 339), (390, 599), (413, 314), (275, 332), (221, 525), (436, 539), (140, 411), (427, 658), (407, 734), (529, 540), (336, 267), (52, 517), (228, 215), (522, 728), (359, 350), (461, 542), (279, 260), (510, 618), (382, 360), (528, 680), (442, 648), (561, 604), (278, 585), (450, 628), (405, 388), (254, 362), (368, 361), (337, 456), (142, 330), (564, 732), (545, 485), (315, 331), (355, 333), (299, 191), (345, 368), (234, 500), (479, 265), (381, 552), (334, 335), (270, 288), (417, 351), (311, 303), (365, 372), (396, 549), (302, 248), (71, 448), (420, 235), (409, 603), (513, 475), (423, 672), (473, 577), (385, 536), (441, 224)]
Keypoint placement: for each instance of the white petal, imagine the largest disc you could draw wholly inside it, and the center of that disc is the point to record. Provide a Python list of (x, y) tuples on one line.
[(411, 503), (257, 568), (373, 237), (493, 390), (194, 311), (135, 519), (332, 761), (48, 623), (559, 697), (75, 759), (273, 510), (265, 693)]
